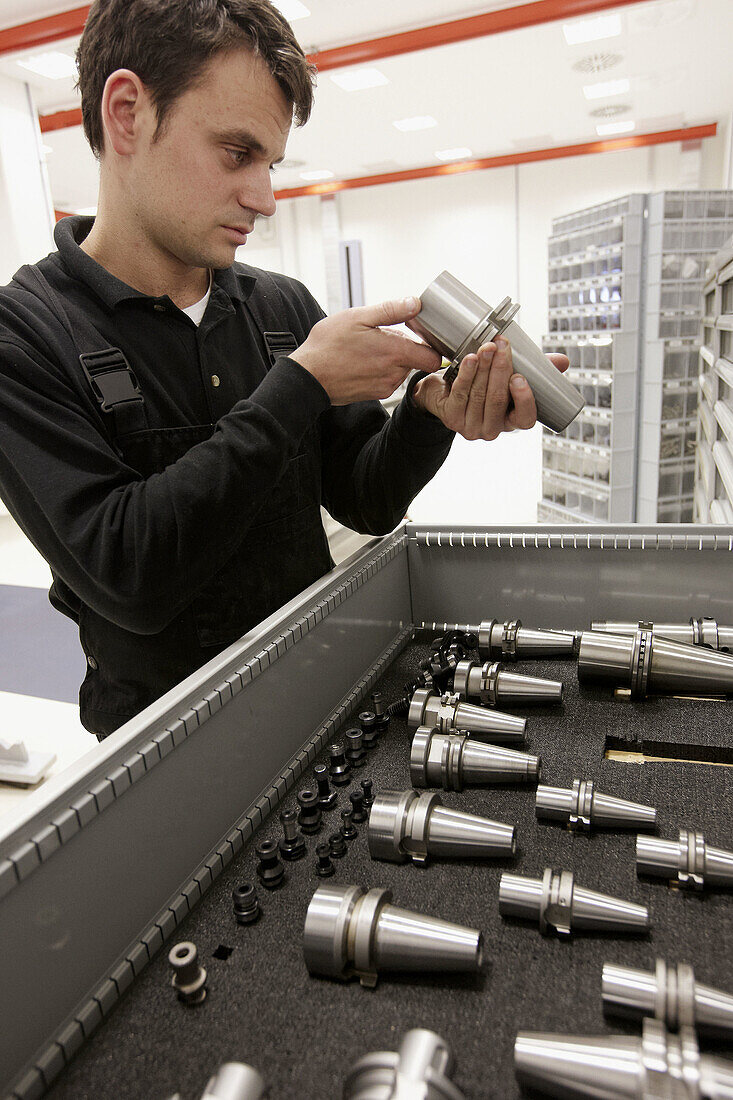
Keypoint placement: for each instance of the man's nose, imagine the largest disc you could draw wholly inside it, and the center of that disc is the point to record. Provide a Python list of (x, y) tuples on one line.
[(258, 196)]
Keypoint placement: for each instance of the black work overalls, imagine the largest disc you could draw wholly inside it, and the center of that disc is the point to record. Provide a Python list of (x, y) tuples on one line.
[(283, 550)]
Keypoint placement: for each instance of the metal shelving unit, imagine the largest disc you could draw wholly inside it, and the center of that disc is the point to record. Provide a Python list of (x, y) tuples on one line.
[(714, 457), (595, 264), (625, 279)]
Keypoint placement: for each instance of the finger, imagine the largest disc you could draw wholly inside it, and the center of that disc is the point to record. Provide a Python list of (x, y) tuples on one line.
[(476, 404), (412, 354), (393, 312), (457, 399), (560, 361), (524, 413), (497, 394)]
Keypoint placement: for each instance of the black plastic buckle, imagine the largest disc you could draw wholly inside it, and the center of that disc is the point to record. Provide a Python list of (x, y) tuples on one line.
[(279, 343), (111, 378)]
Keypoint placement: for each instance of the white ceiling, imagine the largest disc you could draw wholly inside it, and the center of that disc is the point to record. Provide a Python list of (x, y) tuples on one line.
[(500, 94)]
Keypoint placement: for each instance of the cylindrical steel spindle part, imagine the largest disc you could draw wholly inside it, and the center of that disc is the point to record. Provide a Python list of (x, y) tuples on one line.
[(449, 714), (494, 687), (689, 861), (406, 825), (418, 1070), (704, 631), (558, 905), (656, 1066), (235, 1081), (454, 761), (582, 806), (671, 994), (510, 641), (457, 322), (354, 932), (646, 664)]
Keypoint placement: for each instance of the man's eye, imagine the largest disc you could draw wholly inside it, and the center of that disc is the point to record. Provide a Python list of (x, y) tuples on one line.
[(238, 156)]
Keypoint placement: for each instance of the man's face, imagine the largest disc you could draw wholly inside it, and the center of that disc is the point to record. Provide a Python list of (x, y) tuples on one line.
[(201, 183)]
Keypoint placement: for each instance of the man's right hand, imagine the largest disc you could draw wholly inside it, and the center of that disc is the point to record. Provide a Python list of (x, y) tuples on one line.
[(354, 359)]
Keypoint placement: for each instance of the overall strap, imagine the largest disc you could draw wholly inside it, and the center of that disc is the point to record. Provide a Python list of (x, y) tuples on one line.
[(110, 376), (267, 314)]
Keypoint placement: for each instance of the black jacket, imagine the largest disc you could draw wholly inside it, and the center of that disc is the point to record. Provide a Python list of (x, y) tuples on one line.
[(168, 542)]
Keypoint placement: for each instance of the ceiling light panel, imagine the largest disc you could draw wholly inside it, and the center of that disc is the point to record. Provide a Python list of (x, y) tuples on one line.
[(316, 175), (292, 9), (592, 30), (356, 80), (606, 129), (54, 65), (454, 154), (605, 88), (420, 122)]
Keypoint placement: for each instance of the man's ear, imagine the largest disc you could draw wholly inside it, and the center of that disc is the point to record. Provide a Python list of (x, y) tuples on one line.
[(125, 103)]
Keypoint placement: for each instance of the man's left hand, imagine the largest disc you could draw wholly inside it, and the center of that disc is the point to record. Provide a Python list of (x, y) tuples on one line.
[(487, 397)]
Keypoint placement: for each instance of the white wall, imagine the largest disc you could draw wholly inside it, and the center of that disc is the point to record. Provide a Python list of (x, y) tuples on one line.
[(26, 212), (490, 229)]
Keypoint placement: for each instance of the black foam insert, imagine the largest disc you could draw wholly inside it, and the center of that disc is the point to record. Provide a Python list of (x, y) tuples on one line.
[(304, 1033)]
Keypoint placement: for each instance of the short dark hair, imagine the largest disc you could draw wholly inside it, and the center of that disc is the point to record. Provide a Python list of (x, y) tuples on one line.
[(168, 43)]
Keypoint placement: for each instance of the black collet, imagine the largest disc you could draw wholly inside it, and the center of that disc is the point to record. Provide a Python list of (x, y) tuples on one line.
[(292, 844), (309, 817), (366, 786), (270, 870), (338, 845), (369, 734), (339, 768), (326, 797), (355, 751), (348, 832), (246, 905), (324, 867), (358, 809)]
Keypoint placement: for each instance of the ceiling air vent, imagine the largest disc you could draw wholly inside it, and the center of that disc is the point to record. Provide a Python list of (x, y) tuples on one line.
[(611, 111), (597, 62)]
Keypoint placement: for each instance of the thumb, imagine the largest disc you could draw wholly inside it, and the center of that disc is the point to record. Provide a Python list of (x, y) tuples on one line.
[(389, 313)]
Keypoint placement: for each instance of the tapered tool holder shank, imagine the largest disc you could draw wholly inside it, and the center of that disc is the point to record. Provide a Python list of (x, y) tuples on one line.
[(495, 687), (560, 906), (418, 1070), (646, 663), (689, 861), (235, 1081), (704, 631), (405, 825), (354, 932), (656, 1066), (582, 807), (671, 994), (456, 322), (449, 714), (454, 761), (510, 641)]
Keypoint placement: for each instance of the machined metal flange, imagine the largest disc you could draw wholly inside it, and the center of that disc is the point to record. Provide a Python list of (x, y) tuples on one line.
[(418, 1070), (671, 994), (558, 905), (656, 1066), (406, 825), (354, 932), (689, 861), (454, 761), (582, 806)]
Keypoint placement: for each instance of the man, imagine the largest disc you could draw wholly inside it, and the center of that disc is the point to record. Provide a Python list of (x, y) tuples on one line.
[(172, 421)]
